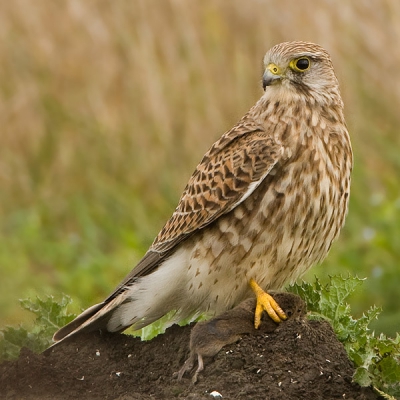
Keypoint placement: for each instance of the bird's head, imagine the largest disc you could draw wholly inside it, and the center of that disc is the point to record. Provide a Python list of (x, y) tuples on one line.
[(299, 67)]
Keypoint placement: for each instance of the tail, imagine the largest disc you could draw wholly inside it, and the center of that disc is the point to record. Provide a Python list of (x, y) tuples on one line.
[(85, 322), (106, 317), (79, 324), (114, 315), (139, 300), (98, 316), (94, 318)]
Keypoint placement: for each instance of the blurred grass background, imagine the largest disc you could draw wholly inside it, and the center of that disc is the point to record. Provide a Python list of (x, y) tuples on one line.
[(106, 108)]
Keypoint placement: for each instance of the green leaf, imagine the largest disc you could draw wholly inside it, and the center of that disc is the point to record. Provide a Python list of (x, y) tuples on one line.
[(361, 376), (50, 316), (390, 370), (377, 359)]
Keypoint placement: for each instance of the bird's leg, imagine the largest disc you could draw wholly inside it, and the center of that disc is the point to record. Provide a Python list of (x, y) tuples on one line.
[(265, 302)]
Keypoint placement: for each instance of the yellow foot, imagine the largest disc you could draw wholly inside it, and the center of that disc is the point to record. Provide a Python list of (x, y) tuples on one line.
[(265, 302)]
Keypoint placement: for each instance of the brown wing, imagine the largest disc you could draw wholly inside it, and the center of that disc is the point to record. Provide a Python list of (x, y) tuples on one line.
[(221, 181), (229, 172)]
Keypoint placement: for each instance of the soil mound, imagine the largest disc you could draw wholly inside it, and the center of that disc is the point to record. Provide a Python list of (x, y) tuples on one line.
[(300, 360)]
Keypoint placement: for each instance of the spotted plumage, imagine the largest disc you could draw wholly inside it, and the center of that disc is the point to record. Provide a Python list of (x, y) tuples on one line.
[(265, 203)]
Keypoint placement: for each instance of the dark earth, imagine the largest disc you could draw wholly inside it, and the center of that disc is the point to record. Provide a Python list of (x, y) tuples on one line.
[(299, 359)]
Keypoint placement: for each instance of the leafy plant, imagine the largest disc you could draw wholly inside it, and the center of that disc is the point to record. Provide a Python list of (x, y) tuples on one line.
[(50, 316), (376, 358)]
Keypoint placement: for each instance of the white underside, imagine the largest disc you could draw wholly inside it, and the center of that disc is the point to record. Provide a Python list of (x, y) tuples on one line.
[(151, 295), (191, 292)]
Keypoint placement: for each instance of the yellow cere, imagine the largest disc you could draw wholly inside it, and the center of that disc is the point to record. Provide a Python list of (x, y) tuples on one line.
[(274, 69)]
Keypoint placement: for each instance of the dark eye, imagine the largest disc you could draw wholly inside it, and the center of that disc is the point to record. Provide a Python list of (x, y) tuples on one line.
[(302, 64)]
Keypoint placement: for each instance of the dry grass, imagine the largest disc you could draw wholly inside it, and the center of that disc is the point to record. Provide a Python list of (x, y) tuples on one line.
[(106, 107)]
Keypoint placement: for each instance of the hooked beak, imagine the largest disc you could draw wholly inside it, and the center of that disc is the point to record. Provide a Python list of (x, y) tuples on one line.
[(272, 74)]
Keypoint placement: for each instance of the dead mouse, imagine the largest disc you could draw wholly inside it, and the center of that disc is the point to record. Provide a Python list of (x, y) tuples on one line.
[(207, 338)]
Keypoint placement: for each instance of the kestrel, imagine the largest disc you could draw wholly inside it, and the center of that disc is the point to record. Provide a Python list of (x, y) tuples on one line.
[(264, 204)]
